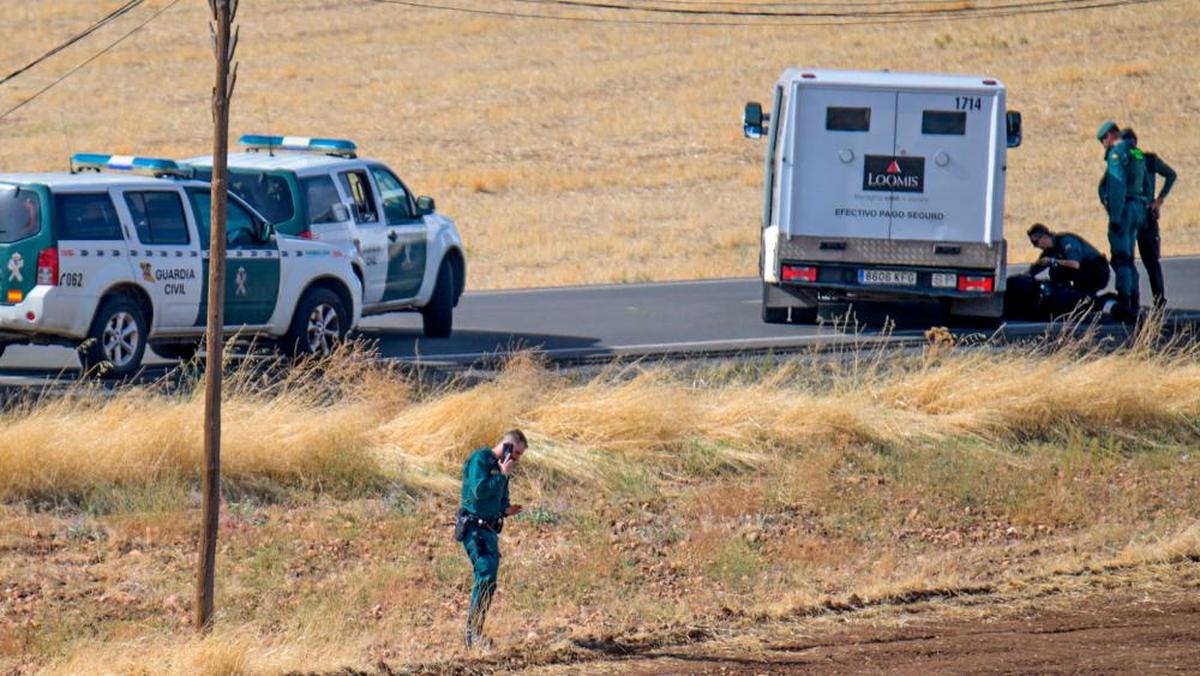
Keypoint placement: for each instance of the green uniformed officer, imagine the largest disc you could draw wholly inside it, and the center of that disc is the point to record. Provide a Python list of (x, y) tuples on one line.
[(1148, 240), (481, 517), (1121, 193)]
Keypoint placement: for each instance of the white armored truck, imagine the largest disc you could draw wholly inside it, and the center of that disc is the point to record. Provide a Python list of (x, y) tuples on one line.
[(883, 186)]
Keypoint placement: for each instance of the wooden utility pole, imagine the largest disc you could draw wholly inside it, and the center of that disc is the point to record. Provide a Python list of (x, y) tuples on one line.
[(224, 41)]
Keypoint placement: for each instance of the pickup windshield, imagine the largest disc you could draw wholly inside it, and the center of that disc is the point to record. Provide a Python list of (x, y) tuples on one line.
[(20, 214)]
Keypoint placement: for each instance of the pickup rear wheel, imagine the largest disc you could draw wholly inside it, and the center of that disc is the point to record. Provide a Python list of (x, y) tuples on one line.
[(319, 325), (437, 318), (117, 341)]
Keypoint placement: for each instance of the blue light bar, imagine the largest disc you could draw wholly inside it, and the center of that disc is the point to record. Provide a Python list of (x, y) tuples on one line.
[(149, 166), (304, 144)]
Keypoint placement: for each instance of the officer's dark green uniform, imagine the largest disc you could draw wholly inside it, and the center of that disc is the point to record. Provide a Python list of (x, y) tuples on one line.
[(1092, 275), (484, 496), (1121, 193)]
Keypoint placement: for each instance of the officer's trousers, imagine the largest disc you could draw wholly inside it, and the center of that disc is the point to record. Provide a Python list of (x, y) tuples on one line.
[(483, 548), (1121, 239), (1149, 250)]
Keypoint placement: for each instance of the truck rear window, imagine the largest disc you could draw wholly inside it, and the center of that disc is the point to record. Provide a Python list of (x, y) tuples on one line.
[(86, 217), (944, 123), (20, 214), (847, 119), (269, 194)]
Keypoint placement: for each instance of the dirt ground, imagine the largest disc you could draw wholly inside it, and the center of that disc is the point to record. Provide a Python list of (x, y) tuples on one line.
[(1120, 622)]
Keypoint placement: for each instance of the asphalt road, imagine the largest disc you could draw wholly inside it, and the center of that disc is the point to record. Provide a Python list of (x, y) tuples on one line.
[(593, 322)]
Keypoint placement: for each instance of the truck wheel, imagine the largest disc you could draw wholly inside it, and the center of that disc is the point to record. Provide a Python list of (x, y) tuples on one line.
[(117, 341), (320, 323), (180, 351), (437, 318)]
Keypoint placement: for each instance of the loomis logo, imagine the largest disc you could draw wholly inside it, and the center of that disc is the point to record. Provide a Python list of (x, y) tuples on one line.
[(894, 174)]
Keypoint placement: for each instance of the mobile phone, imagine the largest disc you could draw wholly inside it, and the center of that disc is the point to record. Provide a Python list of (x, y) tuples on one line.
[(506, 453)]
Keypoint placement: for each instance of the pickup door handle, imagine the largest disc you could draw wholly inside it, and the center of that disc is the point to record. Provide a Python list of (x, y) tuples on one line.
[(392, 236)]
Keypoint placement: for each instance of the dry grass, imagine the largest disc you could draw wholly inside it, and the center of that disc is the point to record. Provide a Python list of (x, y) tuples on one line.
[(575, 153), (659, 499)]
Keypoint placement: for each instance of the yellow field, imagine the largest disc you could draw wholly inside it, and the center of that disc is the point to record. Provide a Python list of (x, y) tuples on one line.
[(578, 152), (660, 500)]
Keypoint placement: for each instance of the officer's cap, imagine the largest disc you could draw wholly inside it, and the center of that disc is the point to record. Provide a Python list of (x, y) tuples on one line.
[(1105, 128)]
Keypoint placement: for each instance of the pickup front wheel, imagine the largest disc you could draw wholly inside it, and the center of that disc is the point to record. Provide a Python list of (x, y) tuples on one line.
[(437, 318)]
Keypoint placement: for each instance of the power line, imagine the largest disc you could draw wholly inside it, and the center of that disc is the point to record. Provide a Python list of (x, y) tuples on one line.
[(747, 11), (112, 16), (860, 19), (90, 59)]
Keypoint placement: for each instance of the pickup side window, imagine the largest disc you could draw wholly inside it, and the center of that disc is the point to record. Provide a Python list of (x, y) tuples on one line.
[(944, 123), (20, 214), (396, 205), (158, 217), (321, 196), (239, 224), (847, 119), (88, 217), (268, 194), (358, 186)]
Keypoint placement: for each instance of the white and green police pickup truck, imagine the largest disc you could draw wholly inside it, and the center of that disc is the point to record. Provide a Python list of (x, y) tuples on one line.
[(320, 189), (112, 262)]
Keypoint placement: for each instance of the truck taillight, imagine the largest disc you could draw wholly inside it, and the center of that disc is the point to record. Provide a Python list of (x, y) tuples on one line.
[(976, 283), (307, 234), (799, 273), (47, 267)]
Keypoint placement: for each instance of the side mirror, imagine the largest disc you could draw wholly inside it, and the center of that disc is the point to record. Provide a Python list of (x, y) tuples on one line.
[(263, 231), (754, 121), (1012, 123), (340, 213), (425, 205)]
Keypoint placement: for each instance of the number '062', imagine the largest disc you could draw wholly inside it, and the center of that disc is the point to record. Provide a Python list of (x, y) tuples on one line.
[(70, 279)]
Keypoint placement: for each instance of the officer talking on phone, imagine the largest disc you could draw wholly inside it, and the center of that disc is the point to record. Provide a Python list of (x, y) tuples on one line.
[(481, 518)]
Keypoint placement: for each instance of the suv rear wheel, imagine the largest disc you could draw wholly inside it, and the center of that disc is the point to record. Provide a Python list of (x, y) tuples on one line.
[(437, 318), (117, 341), (320, 323)]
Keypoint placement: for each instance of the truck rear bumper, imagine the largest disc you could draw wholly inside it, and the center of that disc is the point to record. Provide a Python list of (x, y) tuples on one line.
[(893, 252), (45, 315)]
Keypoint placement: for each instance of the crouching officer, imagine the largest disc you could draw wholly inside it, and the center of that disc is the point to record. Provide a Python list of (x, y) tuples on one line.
[(481, 518), (1078, 271), (1122, 194)]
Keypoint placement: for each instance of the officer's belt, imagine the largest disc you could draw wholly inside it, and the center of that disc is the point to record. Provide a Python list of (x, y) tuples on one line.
[(470, 519)]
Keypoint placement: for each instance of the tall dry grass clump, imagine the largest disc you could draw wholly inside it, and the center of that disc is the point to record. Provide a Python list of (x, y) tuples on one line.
[(351, 421), (311, 425)]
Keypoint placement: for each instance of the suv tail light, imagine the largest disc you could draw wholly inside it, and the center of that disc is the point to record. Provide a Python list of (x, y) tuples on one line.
[(799, 273), (976, 283), (306, 234), (47, 267)]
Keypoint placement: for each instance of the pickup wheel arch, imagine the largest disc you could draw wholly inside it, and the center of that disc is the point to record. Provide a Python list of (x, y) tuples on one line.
[(137, 293)]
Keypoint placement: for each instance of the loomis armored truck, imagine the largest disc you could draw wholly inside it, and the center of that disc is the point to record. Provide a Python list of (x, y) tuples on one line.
[(883, 186)]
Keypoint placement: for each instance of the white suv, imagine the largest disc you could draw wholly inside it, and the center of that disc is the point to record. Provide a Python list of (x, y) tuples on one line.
[(320, 189), (115, 262)]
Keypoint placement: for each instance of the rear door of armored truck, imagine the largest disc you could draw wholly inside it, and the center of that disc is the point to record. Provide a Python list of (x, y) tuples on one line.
[(953, 137), (837, 131)]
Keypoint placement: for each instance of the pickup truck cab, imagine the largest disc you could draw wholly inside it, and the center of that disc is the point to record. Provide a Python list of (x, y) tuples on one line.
[(320, 189), (883, 186), (111, 261)]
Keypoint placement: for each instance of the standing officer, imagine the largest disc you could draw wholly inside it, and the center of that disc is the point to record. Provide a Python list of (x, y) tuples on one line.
[(481, 518), (1148, 241), (1121, 193)]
